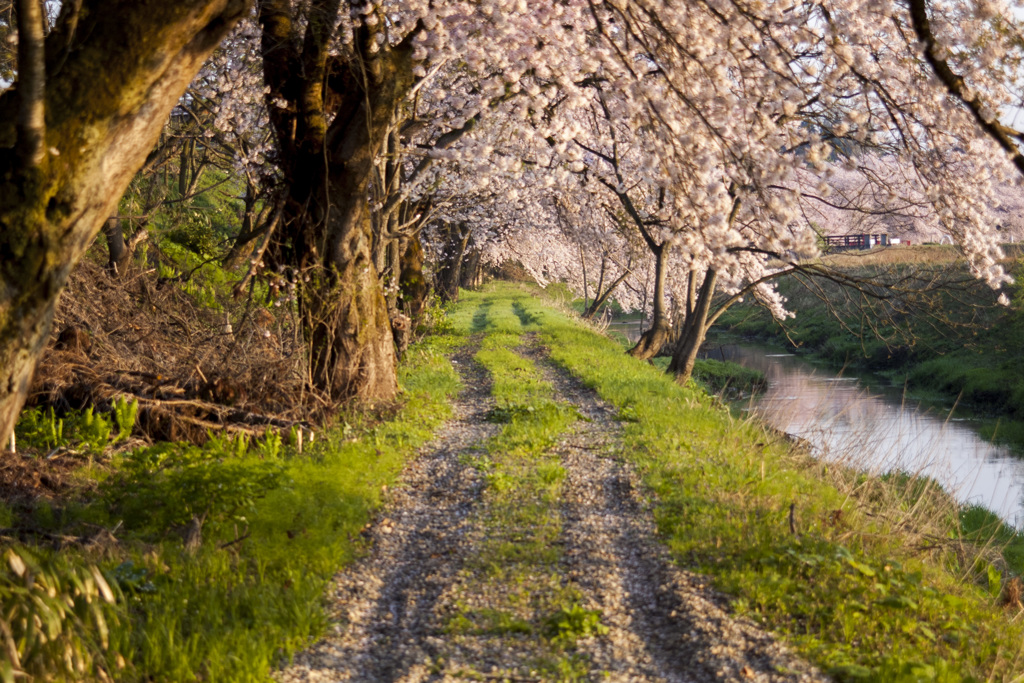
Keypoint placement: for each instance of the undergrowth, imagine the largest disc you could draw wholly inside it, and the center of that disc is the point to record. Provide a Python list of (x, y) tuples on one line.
[(273, 527)]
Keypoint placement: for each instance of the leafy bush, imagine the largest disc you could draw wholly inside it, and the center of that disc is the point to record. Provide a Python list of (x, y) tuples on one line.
[(55, 621), (193, 232)]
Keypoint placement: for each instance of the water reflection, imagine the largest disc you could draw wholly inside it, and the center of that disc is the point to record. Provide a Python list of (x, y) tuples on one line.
[(630, 329), (877, 430)]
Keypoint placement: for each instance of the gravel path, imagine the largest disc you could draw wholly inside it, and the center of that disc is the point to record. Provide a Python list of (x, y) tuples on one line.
[(384, 605), (665, 624), (394, 607)]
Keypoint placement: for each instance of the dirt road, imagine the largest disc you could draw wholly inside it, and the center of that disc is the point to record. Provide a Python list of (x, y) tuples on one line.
[(605, 604)]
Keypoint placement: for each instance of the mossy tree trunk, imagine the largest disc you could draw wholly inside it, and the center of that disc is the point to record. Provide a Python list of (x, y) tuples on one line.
[(654, 339), (88, 106), (413, 289), (331, 115)]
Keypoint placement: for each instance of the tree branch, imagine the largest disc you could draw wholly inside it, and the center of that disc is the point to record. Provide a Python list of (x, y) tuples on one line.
[(984, 115), (31, 126)]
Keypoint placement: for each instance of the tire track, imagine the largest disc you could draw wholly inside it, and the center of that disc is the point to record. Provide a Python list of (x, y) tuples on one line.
[(665, 624), (385, 603)]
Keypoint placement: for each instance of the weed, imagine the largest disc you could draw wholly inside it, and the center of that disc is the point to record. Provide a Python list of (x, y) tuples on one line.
[(40, 429), (167, 485), (125, 414), (93, 430), (569, 624), (56, 619)]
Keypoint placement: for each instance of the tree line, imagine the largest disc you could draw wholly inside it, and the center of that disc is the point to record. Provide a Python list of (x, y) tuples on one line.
[(656, 152)]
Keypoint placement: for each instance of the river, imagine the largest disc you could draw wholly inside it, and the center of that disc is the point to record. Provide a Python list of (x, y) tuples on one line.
[(873, 427)]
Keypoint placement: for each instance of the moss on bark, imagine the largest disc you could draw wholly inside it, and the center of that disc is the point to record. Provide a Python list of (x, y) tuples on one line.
[(110, 85)]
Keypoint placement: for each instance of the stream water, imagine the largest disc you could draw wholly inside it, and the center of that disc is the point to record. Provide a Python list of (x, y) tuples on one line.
[(873, 427)]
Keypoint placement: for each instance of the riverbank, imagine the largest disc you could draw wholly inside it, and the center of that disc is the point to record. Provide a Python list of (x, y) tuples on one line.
[(953, 346), (834, 559)]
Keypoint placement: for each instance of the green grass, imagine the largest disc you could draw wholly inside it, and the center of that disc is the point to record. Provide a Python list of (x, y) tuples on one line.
[(722, 378), (234, 613), (878, 583), (884, 580)]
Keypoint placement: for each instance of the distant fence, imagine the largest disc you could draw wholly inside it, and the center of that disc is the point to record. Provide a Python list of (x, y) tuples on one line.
[(844, 242)]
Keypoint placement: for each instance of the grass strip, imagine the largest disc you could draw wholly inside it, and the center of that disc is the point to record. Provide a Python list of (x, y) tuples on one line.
[(512, 588), (876, 582)]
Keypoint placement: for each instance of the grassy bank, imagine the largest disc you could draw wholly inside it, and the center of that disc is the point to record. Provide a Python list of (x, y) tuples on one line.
[(955, 345), (722, 378), (276, 526), (871, 578)]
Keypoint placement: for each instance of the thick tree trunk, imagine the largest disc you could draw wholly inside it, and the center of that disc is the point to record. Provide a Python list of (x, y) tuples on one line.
[(653, 340), (694, 330), (112, 73), (336, 118), (448, 273), (345, 314), (413, 289)]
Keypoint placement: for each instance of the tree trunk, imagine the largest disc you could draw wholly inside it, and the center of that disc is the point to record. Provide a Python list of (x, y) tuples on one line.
[(653, 340), (694, 330), (448, 273), (345, 315), (603, 296), (413, 288), (335, 118), (113, 70), (121, 251), (254, 224), (117, 250), (586, 289), (472, 275)]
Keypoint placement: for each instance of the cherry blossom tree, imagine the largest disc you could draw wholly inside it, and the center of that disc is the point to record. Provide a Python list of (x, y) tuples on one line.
[(703, 123), (86, 107), (690, 122)]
